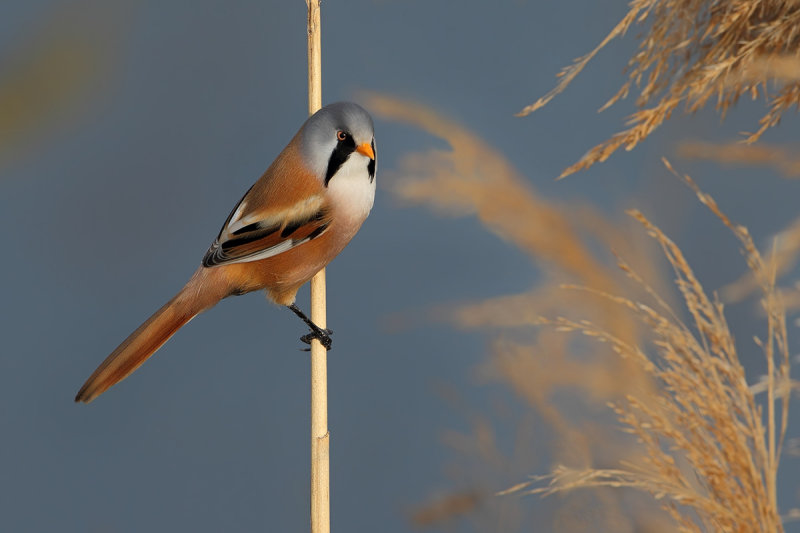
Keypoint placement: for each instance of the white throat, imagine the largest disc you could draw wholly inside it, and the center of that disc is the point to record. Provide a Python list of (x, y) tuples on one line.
[(352, 190)]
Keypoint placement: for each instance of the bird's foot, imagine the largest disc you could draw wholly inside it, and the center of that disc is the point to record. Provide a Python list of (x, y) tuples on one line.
[(322, 335)]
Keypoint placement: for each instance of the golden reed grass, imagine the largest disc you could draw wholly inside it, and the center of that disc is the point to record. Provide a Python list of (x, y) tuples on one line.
[(562, 240), (696, 437), (705, 414), (692, 52)]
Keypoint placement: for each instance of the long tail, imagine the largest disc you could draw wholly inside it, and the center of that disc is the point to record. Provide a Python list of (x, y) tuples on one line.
[(148, 338)]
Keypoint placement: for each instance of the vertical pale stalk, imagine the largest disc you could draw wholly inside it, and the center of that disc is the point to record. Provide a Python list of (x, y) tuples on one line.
[(320, 438), (772, 466)]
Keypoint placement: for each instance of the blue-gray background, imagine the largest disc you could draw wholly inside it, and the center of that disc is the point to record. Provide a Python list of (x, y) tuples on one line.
[(146, 126)]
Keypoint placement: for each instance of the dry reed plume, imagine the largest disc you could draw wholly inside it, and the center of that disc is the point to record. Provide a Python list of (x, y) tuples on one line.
[(566, 242), (700, 444), (695, 51), (711, 460)]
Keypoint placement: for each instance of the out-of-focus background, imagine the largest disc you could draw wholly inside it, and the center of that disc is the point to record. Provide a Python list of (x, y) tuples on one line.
[(129, 129)]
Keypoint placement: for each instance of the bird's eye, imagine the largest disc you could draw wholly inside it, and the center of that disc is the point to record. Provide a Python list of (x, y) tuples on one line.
[(341, 135)]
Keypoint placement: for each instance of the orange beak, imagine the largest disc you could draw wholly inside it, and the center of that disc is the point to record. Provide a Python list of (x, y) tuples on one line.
[(366, 149)]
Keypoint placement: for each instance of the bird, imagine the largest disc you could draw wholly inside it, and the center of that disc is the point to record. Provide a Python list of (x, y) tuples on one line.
[(291, 223)]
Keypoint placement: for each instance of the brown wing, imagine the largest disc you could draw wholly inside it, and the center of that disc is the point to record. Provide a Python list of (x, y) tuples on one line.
[(285, 208), (266, 233)]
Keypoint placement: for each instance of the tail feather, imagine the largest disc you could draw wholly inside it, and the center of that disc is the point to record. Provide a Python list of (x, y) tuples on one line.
[(139, 346)]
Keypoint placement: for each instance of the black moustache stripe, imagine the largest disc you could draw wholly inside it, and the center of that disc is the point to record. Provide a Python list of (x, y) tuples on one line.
[(340, 154), (371, 164)]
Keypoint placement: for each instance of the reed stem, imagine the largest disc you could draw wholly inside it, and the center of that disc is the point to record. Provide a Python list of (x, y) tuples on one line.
[(320, 438)]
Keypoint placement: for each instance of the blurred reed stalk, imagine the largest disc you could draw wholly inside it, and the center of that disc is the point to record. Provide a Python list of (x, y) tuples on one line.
[(320, 438)]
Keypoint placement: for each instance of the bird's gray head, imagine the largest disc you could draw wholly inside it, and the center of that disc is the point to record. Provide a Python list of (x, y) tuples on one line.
[(335, 134)]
